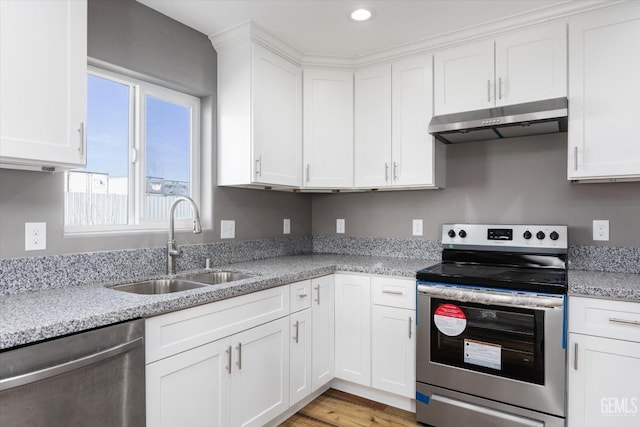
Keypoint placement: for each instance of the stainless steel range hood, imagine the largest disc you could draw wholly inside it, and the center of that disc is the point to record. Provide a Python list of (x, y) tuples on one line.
[(531, 118)]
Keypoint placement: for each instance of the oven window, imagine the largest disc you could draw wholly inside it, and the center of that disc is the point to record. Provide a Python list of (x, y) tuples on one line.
[(503, 341)]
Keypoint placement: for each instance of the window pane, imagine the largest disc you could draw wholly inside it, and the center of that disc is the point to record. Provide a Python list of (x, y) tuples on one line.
[(168, 166), (98, 194)]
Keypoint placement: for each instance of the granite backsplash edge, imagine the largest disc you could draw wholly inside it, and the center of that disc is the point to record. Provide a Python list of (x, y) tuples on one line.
[(56, 271)]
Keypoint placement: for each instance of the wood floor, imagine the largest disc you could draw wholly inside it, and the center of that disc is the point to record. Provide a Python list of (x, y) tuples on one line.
[(339, 409)]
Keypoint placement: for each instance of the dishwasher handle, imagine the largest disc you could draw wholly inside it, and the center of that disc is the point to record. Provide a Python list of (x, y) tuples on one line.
[(62, 368)]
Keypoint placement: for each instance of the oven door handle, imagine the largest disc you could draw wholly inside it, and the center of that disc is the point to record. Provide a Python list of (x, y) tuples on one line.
[(491, 297)]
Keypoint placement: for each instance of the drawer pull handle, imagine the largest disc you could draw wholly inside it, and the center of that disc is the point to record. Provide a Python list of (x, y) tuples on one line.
[(575, 356), (318, 291), (302, 296), (393, 292), (239, 362), (410, 322), (624, 322), (229, 359)]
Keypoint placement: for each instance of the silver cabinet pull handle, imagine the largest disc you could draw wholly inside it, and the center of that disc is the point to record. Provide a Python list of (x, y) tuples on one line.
[(575, 158), (229, 359), (318, 291), (575, 356), (393, 292), (239, 362), (308, 174), (297, 324), (410, 322), (48, 372), (82, 139), (488, 90), (259, 166), (499, 87), (624, 321), (395, 171), (386, 171), (302, 296)]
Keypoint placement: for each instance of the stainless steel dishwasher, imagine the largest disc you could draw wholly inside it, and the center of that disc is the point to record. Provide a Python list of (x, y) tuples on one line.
[(94, 378)]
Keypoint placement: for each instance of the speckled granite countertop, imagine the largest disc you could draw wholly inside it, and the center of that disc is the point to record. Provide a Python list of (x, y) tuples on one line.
[(33, 316), (624, 286)]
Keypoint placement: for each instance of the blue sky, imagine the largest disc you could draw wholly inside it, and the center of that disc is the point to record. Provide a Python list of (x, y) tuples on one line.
[(167, 129)]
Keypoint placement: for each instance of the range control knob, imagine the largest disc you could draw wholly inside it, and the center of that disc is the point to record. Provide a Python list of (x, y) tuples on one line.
[(540, 235), (462, 234), (554, 235), (527, 235), (452, 234)]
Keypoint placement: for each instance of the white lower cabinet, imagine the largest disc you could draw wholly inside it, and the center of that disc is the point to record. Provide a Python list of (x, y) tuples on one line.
[(604, 363), (191, 388), (393, 348), (323, 330), (239, 377), (260, 374), (300, 356), (353, 328)]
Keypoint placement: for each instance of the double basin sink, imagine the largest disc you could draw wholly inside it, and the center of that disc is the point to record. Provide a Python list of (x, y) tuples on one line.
[(193, 281)]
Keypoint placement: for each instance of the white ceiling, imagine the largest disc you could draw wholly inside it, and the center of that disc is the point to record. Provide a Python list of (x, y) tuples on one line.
[(322, 27)]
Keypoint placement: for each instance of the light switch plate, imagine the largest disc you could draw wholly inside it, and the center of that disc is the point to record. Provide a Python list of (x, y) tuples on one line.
[(340, 226), (35, 236), (227, 229), (286, 226)]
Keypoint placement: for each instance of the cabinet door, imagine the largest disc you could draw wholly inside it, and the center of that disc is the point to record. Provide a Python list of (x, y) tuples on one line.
[(43, 64), (464, 78), (191, 388), (373, 127), (277, 119), (393, 347), (353, 328), (603, 382), (300, 356), (260, 383), (328, 128), (604, 88), (531, 65), (322, 346), (412, 147)]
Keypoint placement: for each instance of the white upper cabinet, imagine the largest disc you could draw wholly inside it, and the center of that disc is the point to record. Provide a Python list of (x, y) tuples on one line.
[(393, 109), (259, 115), (328, 128), (416, 158), (43, 64), (373, 126), (604, 96), (522, 66)]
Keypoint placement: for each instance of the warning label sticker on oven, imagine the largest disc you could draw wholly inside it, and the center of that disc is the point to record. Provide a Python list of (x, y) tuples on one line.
[(483, 354), (450, 320)]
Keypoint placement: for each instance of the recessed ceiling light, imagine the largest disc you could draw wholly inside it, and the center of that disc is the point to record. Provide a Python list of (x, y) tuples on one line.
[(361, 14)]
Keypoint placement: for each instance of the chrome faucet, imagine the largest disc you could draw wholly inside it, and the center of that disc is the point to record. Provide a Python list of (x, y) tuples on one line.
[(172, 248)]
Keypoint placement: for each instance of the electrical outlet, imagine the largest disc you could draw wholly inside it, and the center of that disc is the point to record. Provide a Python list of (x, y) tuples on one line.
[(601, 229), (417, 227), (286, 226), (227, 229), (35, 236), (340, 226)]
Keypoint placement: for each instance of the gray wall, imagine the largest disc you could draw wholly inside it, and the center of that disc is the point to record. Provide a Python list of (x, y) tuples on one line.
[(510, 181), (130, 35)]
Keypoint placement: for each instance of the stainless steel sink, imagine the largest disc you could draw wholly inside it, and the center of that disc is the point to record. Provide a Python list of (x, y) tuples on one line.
[(159, 286), (218, 277)]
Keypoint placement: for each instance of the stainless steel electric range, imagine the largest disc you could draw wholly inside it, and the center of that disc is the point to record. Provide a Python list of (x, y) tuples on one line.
[(491, 331)]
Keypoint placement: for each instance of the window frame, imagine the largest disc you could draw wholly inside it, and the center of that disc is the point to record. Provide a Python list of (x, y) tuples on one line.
[(136, 168)]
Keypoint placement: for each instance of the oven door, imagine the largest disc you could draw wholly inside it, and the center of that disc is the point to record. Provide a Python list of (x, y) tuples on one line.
[(499, 345)]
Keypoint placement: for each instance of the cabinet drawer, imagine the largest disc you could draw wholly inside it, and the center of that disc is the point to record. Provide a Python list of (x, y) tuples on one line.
[(175, 332), (394, 292), (300, 295), (605, 318)]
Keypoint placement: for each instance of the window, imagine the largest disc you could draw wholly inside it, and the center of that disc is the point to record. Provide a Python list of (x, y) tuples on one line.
[(142, 153)]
